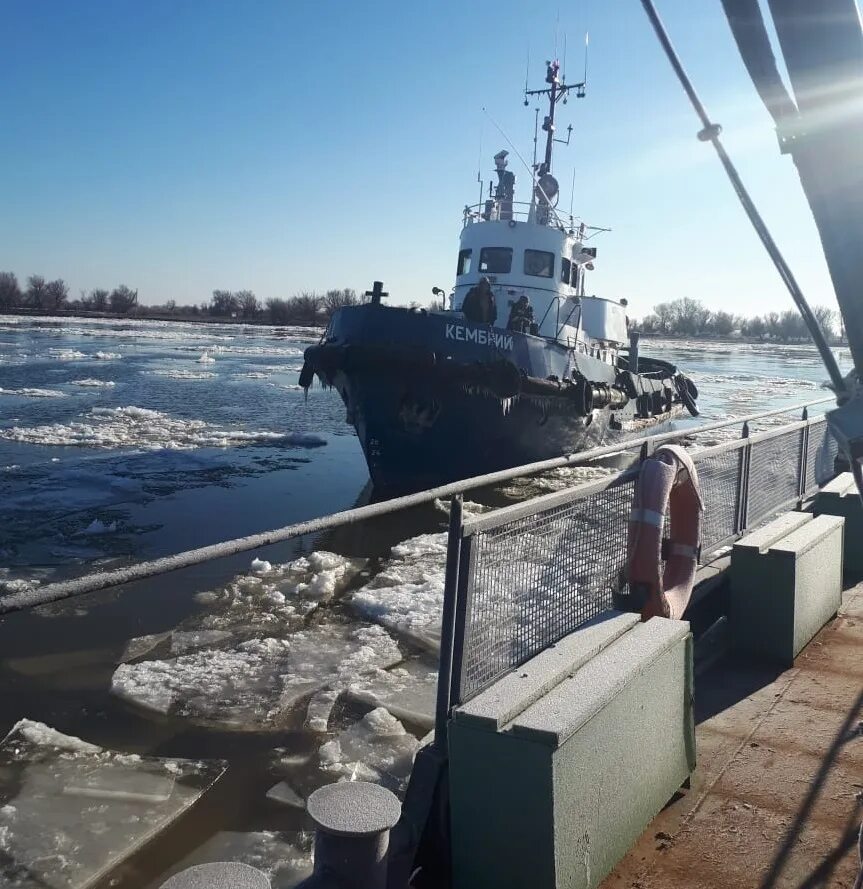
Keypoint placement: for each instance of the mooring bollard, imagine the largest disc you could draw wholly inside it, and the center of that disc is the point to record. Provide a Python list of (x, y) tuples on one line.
[(219, 875), (353, 820)]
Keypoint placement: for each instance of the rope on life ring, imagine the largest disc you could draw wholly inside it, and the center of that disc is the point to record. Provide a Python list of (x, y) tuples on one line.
[(667, 483)]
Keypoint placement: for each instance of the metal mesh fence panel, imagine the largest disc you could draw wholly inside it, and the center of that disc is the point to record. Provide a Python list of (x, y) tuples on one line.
[(538, 578), (774, 475), (719, 478), (822, 454)]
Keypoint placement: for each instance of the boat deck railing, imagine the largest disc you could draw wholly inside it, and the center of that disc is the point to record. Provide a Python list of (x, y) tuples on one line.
[(520, 211), (719, 465), (522, 577)]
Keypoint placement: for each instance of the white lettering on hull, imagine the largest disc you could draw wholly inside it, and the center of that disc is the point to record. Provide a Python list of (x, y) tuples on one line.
[(478, 335)]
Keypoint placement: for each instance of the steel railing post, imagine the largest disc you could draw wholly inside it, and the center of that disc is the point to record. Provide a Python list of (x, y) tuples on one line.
[(803, 481), (744, 462), (450, 595)]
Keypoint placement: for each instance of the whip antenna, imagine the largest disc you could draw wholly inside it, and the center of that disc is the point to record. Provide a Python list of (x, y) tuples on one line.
[(586, 48)]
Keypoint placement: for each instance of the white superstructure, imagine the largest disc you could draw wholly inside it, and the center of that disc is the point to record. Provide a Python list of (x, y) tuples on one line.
[(528, 249)]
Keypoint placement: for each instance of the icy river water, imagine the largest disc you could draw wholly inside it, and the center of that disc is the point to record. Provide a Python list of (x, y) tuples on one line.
[(308, 662)]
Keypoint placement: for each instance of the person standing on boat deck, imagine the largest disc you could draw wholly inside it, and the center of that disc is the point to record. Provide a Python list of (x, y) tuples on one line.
[(478, 305), (520, 315)]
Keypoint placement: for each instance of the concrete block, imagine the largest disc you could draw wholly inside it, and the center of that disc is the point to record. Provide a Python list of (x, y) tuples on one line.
[(840, 498), (552, 782), (785, 586)]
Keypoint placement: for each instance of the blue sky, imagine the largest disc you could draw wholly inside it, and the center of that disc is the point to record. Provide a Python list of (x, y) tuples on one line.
[(281, 145)]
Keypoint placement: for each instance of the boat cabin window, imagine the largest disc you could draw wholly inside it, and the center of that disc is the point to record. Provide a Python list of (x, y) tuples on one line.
[(565, 267), (464, 262), (539, 263), (495, 260)]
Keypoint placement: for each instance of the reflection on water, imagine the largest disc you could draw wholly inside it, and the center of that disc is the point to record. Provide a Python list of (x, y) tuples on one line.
[(123, 441)]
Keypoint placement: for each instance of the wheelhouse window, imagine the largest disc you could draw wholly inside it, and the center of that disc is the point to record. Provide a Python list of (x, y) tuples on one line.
[(565, 269), (539, 263), (495, 260), (464, 262)]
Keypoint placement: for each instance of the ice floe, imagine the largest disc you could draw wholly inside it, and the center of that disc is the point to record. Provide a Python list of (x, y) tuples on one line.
[(261, 566), (179, 374), (33, 393), (254, 685), (319, 576), (320, 710), (377, 748), (408, 691), (75, 811), (286, 858), (94, 384), (98, 527), (407, 595), (67, 355), (285, 795), (137, 427)]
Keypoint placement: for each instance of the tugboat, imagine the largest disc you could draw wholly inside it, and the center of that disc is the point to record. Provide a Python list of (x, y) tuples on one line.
[(522, 366)]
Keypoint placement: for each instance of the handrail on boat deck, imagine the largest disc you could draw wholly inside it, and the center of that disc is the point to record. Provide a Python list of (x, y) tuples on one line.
[(92, 583)]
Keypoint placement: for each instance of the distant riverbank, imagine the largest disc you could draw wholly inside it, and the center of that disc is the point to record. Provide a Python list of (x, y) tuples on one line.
[(138, 315)]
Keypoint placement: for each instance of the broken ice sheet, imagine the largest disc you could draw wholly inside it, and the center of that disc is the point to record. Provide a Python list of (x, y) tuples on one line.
[(286, 858), (70, 811), (407, 595), (377, 748), (319, 576), (254, 685), (320, 709), (285, 795), (408, 691)]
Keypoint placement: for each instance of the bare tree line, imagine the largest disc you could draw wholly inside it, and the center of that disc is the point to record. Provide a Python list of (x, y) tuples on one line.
[(308, 308), (688, 317), (53, 296)]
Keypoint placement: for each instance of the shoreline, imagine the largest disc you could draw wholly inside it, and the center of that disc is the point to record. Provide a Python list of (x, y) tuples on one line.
[(260, 322)]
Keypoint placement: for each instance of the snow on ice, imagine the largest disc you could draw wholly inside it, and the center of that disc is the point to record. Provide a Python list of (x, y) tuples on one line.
[(407, 595), (179, 374), (94, 384), (137, 427), (33, 393), (256, 684), (377, 748)]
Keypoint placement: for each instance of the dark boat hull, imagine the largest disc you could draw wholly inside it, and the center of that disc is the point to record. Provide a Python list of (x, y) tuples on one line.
[(427, 410)]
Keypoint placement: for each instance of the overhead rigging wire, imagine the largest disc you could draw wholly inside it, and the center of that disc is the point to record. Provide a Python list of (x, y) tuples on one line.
[(710, 133)]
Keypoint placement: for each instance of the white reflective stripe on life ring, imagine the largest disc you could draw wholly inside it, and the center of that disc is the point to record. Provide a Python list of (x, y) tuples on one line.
[(648, 517)]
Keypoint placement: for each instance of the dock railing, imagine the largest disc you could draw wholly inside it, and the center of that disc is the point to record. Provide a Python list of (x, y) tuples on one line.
[(720, 476), (522, 577)]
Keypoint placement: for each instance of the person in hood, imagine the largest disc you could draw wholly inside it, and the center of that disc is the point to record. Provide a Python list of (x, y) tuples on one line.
[(478, 305)]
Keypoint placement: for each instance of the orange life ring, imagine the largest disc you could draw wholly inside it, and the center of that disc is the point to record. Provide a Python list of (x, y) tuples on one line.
[(667, 483)]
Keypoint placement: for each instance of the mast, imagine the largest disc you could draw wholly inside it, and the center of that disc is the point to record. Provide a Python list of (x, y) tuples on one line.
[(555, 91)]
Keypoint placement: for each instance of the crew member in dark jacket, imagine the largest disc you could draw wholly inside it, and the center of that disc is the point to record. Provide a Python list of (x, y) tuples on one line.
[(520, 316), (478, 305)]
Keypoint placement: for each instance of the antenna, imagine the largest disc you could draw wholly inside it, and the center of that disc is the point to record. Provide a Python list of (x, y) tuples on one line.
[(535, 133), (526, 75), (580, 93), (479, 160), (571, 195), (563, 64)]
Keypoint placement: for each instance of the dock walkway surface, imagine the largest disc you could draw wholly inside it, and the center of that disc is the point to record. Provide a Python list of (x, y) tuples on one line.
[(775, 800)]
